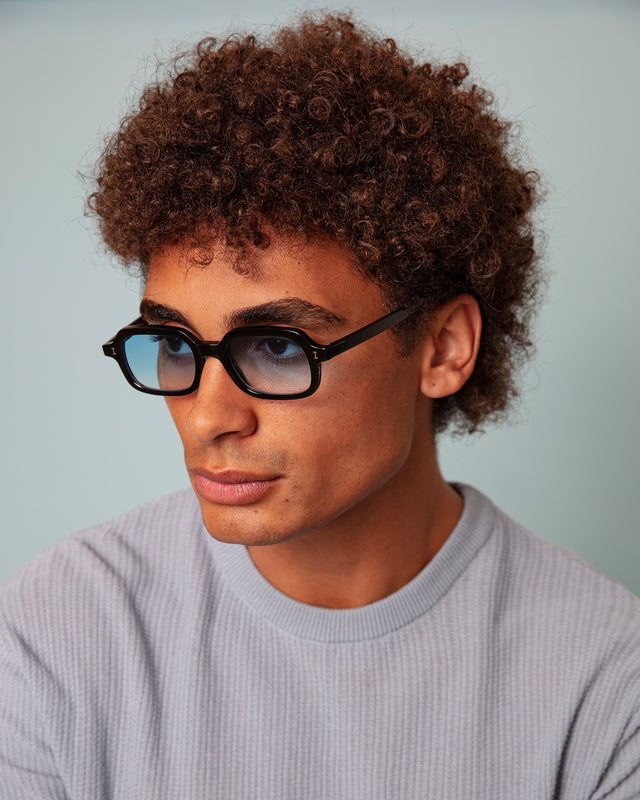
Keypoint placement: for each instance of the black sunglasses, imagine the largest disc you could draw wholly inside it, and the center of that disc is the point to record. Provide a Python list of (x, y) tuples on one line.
[(269, 362)]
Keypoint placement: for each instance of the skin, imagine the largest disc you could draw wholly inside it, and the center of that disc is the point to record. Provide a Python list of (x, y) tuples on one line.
[(350, 503)]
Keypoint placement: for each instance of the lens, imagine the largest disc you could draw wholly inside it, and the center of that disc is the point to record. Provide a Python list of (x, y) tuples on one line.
[(161, 362), (271, 364)]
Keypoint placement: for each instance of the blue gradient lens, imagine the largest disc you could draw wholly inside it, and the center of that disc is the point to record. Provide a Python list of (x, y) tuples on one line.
[(164, 362), (271, 364)]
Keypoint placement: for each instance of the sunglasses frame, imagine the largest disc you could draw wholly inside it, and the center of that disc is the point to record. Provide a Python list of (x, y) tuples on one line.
[(316, 353)]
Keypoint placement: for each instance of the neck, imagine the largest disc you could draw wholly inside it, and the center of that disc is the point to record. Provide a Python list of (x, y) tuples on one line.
[(373, 549)]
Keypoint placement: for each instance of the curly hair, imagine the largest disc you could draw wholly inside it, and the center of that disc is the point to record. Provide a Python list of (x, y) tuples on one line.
[(326, 131)]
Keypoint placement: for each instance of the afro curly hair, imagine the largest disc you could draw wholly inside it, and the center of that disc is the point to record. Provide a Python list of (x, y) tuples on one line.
[(324, 130)]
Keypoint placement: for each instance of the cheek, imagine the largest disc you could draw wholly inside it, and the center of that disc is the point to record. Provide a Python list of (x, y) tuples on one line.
[(362, 437), (378, 437)]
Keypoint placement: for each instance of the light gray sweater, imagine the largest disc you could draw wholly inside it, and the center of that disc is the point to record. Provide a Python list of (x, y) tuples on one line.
[(142, 659)]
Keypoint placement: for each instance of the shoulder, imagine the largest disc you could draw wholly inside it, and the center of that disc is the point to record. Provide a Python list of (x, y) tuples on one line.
[(559, 581), (138, 528), (109, 562), (85, 630), (561, 646), (553, 617), (534, 573), (98, 609)]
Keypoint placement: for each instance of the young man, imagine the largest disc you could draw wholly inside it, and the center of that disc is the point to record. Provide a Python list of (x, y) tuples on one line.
[(338, 264)]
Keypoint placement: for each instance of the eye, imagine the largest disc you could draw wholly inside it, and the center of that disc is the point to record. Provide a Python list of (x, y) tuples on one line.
[(278, 347), (271, 363), (172, 347), (175, 345), (267, 352)]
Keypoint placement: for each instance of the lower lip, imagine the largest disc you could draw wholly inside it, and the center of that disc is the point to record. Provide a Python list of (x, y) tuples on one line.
[(232, 494)]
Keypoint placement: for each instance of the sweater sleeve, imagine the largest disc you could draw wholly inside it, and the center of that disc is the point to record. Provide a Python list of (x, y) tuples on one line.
[(27, 768), (601, 755), (621, 779)]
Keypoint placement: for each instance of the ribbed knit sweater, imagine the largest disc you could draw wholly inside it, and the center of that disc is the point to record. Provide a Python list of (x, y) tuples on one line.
[(143, 659)]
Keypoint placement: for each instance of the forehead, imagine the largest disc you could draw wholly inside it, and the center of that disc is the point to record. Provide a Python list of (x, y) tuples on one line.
[(217, 283)]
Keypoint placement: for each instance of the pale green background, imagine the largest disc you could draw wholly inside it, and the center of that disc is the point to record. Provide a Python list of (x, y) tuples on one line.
[(79, 446)]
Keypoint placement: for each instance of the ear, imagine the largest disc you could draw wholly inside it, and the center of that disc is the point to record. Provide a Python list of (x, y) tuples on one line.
[(450, 348)]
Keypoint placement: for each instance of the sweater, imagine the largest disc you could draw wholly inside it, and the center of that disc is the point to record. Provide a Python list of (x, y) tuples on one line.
[(144, 659)]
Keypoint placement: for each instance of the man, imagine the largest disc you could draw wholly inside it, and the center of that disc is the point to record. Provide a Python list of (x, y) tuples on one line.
[(338, 264)]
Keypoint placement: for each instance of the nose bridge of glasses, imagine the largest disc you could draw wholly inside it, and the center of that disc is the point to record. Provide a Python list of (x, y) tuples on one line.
[(220, 351), (210, 350), (215, 350)]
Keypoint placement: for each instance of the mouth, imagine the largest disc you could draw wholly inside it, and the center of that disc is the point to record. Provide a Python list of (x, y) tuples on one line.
[(232, 488)]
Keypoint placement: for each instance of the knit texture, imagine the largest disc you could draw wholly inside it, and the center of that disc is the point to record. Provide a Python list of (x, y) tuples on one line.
[(143, 659)]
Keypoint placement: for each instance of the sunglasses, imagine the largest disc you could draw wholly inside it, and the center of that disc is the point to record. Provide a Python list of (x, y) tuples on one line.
[(270, 362)]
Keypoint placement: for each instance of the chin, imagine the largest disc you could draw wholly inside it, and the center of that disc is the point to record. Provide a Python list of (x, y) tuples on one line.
[(244, 527)]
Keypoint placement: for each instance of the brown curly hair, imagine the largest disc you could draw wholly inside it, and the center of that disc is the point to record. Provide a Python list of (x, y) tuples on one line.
[(326, 131)]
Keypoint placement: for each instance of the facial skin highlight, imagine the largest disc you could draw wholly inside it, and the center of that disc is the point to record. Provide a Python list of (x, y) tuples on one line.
[(340, 466)]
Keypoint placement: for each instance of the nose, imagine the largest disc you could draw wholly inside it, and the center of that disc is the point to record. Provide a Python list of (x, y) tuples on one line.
[(219, 406)]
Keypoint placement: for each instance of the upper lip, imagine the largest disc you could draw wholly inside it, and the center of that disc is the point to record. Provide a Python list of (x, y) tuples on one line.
[(232, 476)]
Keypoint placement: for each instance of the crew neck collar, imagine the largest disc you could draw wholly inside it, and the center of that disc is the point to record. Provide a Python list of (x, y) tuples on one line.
[(376, 619)]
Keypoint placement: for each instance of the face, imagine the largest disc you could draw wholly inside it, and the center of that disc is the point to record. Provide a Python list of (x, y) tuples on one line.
[(266, 471)]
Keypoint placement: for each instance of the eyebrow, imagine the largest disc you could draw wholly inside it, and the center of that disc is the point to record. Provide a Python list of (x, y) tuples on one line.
[(157, 312), (286, 311)]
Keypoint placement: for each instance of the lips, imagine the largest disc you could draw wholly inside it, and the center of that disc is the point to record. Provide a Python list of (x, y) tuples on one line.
[(232, 488)]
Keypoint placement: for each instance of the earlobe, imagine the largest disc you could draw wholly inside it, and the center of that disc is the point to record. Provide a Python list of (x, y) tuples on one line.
[(450, 348)]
